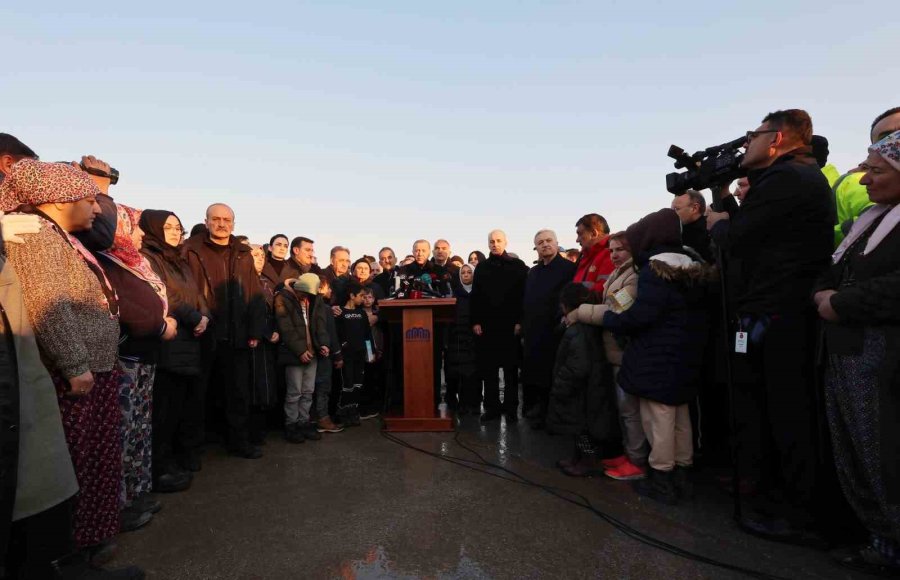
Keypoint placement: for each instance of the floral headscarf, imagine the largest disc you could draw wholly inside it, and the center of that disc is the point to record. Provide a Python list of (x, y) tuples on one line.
[(124, 252), (889, 149), (35, 182)]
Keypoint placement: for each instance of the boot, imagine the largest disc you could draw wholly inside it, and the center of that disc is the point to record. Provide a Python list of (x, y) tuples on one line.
[(684, 486), (587, 465), (310, 432), (659, 485)]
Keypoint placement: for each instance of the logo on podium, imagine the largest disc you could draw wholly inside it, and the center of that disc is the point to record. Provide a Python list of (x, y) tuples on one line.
[(418, 334)]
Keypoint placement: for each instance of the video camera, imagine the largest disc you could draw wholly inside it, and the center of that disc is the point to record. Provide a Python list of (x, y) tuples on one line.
[(717, 165)]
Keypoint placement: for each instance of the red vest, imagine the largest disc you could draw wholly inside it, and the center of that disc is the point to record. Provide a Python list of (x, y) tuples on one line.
[(595, 266)]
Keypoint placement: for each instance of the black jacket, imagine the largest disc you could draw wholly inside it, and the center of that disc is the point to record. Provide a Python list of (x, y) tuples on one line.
[(541, 317), (696, 236), (460, 359), (187, 306), (780, 239), (292, 269), (873, 301), (231, 287), (497, 294)]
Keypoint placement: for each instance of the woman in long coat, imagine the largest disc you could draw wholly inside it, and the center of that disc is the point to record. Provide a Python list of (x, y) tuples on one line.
[(859, 298)]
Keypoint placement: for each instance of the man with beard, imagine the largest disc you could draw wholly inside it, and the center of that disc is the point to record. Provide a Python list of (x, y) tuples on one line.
[(540, 321), (497, 294)]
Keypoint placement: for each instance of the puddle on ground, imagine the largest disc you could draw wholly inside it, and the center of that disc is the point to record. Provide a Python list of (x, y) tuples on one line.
[(377, 565)]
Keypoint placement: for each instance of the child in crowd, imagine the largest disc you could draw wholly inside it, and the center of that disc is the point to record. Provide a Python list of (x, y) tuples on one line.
[(325, 365), (372, 395), (354, 330), (463, 380), (582, 402), (302, 319)]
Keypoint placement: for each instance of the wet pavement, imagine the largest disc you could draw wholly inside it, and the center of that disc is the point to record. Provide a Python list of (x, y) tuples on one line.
[(357, 505)]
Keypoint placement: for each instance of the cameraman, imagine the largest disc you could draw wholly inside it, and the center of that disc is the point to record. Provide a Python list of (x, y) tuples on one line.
[(776, 244)]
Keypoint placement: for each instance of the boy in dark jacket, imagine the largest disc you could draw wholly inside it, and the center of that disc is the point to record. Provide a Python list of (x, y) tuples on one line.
[(582, 403), (354, 331), (302, 318), (325, 367)]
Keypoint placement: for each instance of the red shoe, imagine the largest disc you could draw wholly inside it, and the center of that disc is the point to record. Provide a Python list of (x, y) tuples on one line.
[(614, 462), (628, 471)]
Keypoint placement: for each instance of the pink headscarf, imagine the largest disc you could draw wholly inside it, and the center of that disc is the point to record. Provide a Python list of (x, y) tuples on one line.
[(124, 253)]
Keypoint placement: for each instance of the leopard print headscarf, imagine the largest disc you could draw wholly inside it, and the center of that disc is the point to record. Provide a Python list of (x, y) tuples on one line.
[(34, 182)]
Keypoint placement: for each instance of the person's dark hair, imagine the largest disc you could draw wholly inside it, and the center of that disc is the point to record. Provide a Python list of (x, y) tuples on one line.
[(200, 229), (275, 237), (884, 115), (593, 221), (696, 197), (354, 287), (574, 295), (324, 281), (10, 145), (573, 253), (242, 239), (370, 259), (337, 249), (368, 290), (480, 254), (388, 249), (296, 242), (794, 121), (820, 151)]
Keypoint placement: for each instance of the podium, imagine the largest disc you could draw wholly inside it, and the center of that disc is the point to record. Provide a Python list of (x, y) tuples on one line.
[(417, 318)]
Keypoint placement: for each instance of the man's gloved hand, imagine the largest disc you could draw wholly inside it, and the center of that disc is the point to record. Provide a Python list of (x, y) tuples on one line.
[(14, 225)]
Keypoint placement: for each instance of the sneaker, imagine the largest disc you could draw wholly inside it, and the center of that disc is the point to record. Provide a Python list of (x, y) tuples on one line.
[(354, 420), (368, 414), (627, 471), (326, 425), (294, 434), (614, 462)]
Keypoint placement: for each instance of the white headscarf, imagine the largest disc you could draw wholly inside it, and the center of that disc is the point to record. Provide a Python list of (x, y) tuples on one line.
[(466, 287)]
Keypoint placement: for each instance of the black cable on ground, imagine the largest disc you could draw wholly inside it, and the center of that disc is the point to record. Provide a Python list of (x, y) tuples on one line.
[(573, 498)]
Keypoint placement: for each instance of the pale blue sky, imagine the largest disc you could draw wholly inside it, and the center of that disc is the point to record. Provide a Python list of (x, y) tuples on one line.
[(376, 123)]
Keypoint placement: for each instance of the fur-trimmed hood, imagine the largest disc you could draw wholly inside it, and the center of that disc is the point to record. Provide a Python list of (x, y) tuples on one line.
[(682, 270)]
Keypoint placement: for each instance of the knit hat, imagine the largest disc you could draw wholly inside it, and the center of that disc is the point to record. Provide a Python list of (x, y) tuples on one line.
[(308, 283), (35, 182), (889, 149)]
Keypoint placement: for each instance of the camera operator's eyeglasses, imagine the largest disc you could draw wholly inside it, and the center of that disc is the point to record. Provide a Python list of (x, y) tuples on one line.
[(751, 135)]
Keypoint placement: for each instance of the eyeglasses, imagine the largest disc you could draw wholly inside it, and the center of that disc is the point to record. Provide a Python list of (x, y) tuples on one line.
[(751, 135), (176, 229)]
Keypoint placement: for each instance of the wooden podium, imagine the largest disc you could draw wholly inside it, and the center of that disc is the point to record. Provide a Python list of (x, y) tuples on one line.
[(418, 318)]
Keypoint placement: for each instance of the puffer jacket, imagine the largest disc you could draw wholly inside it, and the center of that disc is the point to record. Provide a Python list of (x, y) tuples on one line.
[(623, 279), (666, 326)]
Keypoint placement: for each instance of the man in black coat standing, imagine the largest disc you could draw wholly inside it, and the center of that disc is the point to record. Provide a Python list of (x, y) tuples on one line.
[(776, 244), (497, 294), (541, 317), (691, 209)]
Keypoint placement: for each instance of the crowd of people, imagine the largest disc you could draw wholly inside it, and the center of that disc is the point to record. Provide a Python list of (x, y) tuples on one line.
[(130, 346)]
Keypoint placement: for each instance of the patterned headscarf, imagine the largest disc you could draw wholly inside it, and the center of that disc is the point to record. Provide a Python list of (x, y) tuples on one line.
[(34, 182), (889, 149), (124, 252)]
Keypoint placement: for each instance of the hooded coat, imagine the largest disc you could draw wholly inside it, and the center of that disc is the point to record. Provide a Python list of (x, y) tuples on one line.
[(667, 324)]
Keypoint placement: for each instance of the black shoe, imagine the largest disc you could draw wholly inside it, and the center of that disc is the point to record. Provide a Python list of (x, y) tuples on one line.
[(490, 416), (511, 417), (77, 566), (780, 530), (310, 431), (246, 452), (659, 485), (173, 482), (368, 414), (191, 461), (131, 520), (294, 434), (147, 503), (102, 553), (684, 487)]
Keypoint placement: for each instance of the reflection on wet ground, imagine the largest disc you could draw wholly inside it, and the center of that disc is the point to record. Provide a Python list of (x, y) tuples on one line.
[(356, 505)]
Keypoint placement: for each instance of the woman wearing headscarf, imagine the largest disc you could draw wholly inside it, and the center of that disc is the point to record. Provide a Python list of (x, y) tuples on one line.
[(143, 323), (859, 298), (179, 365), (74, 312), (461, 365), (476, 257), (264, 389)]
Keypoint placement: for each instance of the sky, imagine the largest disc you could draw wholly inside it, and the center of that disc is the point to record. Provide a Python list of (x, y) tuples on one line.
[(377, 123)]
